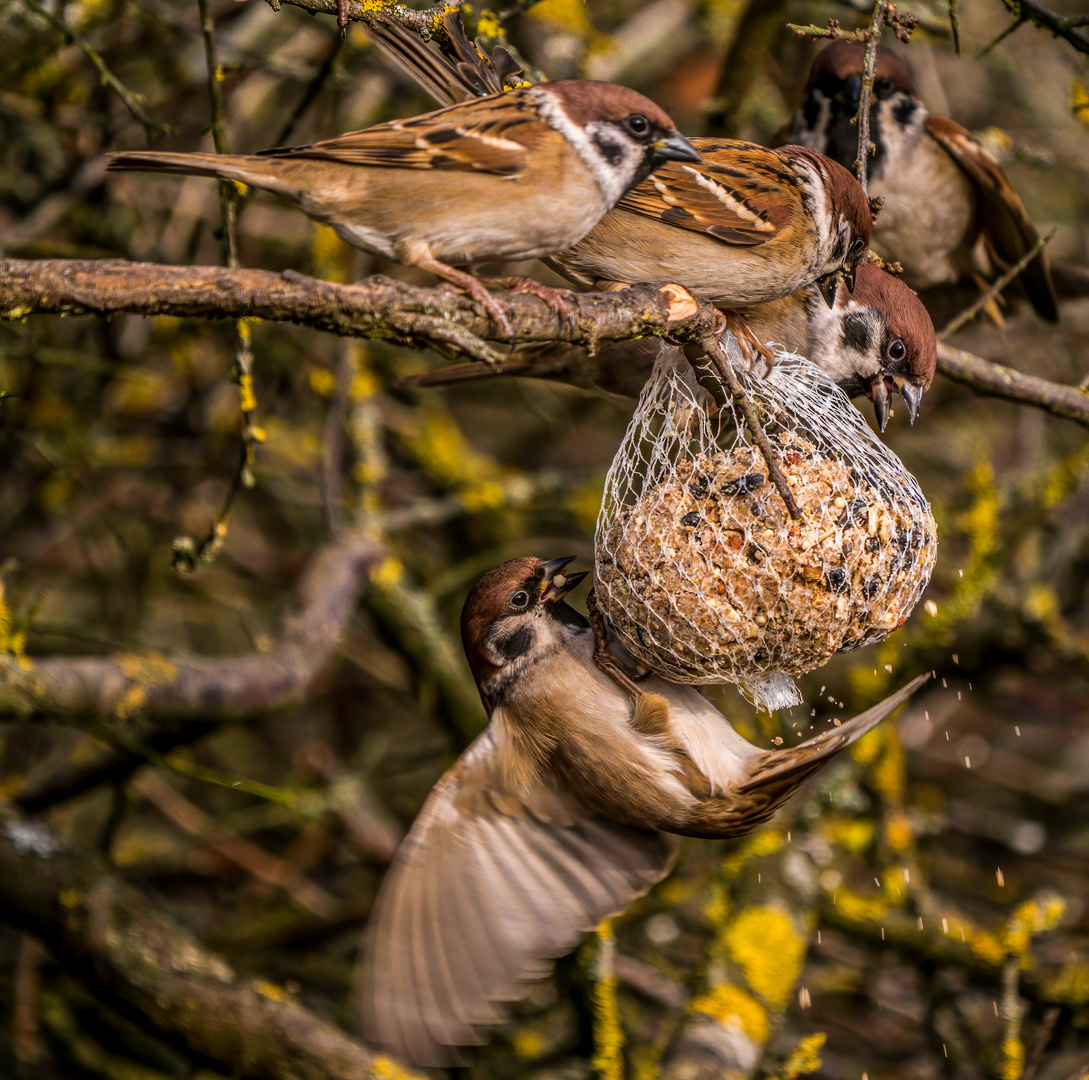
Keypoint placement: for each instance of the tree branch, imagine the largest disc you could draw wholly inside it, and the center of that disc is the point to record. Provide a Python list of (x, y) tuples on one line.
[(998, 381), (124, 948), (377, 307), (1068, 29), (128, 698)]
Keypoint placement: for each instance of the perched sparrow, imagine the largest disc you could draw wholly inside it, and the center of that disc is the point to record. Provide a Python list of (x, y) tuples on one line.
[(549, 822), (877, 341), (950, 214), (745, 226), (507, 177)]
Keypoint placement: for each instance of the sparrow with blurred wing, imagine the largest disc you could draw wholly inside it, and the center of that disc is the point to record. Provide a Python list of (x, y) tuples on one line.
[(555, 816), (950, 214), (876, 341), (511, 176)]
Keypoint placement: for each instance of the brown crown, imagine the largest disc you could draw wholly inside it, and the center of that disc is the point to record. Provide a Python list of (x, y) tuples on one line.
[(487, 600), (842, 59), (585, 101), (904, 315)]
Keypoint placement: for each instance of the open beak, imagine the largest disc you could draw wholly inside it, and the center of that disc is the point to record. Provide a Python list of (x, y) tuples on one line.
[(828, 285), (879, 392), (849, 272), (554, 583), (676, 147), (912, 394)]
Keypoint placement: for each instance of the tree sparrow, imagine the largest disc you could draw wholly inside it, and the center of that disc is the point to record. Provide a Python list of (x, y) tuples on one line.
[(511, 176), (550, 821), (876, 341), (745, 226), (950, 214)]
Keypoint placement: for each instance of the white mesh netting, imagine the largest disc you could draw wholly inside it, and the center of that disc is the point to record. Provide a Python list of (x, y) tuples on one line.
[(699, 567)]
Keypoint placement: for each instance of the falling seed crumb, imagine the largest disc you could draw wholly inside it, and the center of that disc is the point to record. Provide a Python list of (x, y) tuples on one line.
[(778, 740), (818, 937), (877, 882), (960, 573), (944, 1050), (803, 997), (959, 696), (907, 876), (888, 668), (945, 925), (967, 761), (947, 735), (945, 684), (956, 659), (1017, 729), (835, 720), (930, 608), (995, 1004), (882, 938), (1000, 877), (920, 922), (926, 714)]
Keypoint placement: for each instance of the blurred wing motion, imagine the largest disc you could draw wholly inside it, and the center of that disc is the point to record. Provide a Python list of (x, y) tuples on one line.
[(735, 195), (1007, 229), (468, 76), (489, 887)]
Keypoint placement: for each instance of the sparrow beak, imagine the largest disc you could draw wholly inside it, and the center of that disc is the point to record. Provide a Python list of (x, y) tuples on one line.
[(849, 272), (828, 285), (879, 392), (554, 584), (912, 393), (676, 147), (851, 94)]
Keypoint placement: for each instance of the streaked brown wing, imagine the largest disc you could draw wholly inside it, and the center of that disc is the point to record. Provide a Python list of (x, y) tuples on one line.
[(489, 887), (1007, 229), (492, 135), (740, 194)]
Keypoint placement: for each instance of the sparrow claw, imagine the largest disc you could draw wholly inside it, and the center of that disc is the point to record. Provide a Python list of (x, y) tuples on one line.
[(747, 341), (606, 660), (555, 298)]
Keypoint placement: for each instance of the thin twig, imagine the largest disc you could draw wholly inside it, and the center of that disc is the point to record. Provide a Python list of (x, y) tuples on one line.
[(1033, 12), (189, 554), (873, 38), (752, 422), (1043, 1037), (996, 287), (954, 25), (130, 100)]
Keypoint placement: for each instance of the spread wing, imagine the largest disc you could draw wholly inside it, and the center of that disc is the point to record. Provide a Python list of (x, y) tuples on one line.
[(489, 887), (741, 193), (1007, 230), (493, 135)]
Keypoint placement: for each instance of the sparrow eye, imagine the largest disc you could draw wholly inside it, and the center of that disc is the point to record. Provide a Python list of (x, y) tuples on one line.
[(897, 350), (883, 87), (520, 600), (638, 125)]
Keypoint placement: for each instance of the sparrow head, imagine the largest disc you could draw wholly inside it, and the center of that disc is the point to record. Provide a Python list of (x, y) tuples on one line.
[(878, 340), (841, 213), (833, 93), (620, 135), (514, 617)]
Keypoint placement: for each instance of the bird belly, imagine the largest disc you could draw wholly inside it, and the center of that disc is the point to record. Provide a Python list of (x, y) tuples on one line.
[(628, 247), (930, 236)]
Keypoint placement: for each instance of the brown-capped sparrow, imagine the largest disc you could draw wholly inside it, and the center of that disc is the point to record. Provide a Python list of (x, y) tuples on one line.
[(950, 214), (554, 818), (745, 226), (876, 341), (512, 176)]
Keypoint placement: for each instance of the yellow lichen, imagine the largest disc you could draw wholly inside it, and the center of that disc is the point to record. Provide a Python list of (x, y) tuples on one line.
[(322, 382), (1079, 101), (528, 1045), (384, 1068), (487, 495), (806, 1058), (488, 25), (12, 641), (247, 399), (1013, 1059), (854, 837), (1071, 985), (736, 1008), (270, 990), (757, 846), (857, 908), (608, 1059), (1029, 919), (898, 833), (763, 942), (388, 573)]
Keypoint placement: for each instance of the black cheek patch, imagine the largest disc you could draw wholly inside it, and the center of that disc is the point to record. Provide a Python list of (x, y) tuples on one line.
[(856, 333), (904, 110), (514, 645), (611, 151)]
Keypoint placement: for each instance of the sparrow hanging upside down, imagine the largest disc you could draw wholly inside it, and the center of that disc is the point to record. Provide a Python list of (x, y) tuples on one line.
[(554, 818), (950, 214)]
